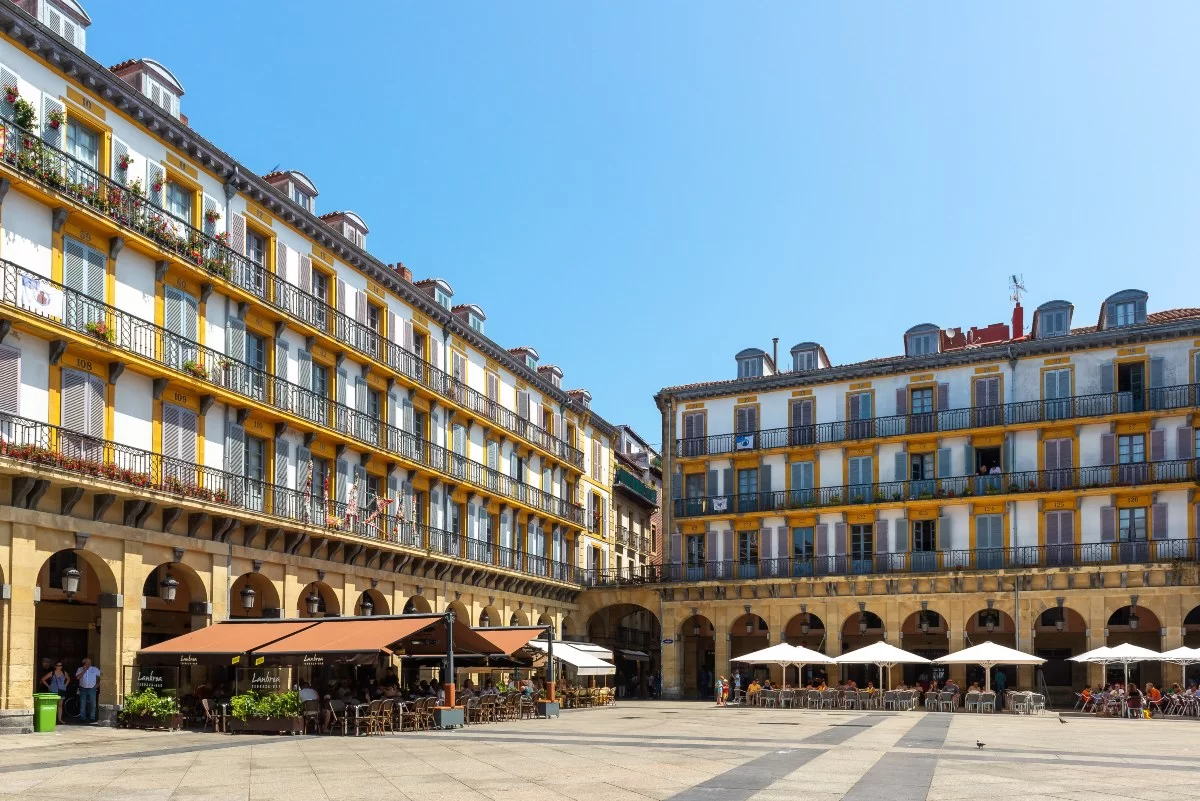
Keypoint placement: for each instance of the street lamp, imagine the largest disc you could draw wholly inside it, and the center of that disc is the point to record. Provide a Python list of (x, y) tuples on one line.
[(70, 581), (990, 624), (924, 625), (247, 594), (485, 620), (366, 606), (1061, 623), (862, 623), (749, 627), (1133, 621), (696, 629), (167, 588), (314, 602)]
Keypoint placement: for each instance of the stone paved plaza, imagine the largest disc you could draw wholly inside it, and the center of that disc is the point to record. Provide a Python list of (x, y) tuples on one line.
[(678, 751)]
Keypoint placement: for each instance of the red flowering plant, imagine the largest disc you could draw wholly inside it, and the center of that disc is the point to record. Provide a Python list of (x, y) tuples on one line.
[(11, 93), (124, 160), (211, 216), (100, 330), (57, 118)]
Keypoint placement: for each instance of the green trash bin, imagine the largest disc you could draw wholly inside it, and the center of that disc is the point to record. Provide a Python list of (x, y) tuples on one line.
[(45, 711)]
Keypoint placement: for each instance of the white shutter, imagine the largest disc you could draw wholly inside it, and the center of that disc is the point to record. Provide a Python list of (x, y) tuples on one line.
[(170, 431), (97, 269), (188, 427), (283, 456), (7, 78), (74, 401), (235, 449), (10, 380), (304, 281), (155, 174), (74, 265), (210, 206), (407, 341), (235, 339), (120, 149), (304, 363), (51, 135), (96, 406)]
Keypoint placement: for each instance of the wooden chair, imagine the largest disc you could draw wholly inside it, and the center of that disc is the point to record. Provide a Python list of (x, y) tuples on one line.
[(312, 715), (338, 715), (387, 716), (473, 711), (410, 715), (528, 706), (427, 712)]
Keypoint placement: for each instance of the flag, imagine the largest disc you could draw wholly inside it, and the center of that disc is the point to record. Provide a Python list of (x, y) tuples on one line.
[(352, 503), (308, 494), (381, 504), (41, 297)]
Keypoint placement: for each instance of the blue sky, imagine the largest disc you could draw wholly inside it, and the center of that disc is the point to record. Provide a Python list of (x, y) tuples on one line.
[(641, 189)]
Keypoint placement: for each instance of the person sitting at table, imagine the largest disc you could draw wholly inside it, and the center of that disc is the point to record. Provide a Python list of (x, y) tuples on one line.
[(490, 689), (871, 688), (852, 685), (822, 687), (307, 693), (1153, 698), (766, 684), (752, 691)]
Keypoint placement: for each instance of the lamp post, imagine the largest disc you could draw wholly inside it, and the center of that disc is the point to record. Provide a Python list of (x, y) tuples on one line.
[(367, 607), (314, 603), (168, 588), (247, 594), (448, 676), (70, 581)]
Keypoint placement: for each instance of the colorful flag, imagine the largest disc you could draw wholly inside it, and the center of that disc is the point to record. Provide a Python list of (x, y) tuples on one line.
[(352, 503), (308, 494)]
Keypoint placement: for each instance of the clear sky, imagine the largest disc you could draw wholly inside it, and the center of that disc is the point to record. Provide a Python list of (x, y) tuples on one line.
[(641, 189)]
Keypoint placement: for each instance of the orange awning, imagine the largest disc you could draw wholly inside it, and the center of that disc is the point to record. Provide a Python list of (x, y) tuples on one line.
[(229, 637), (351, 635), (509, 640)]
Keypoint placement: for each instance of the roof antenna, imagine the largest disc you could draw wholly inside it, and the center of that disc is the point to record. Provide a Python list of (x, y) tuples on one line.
[(273, 169), (1016, 287)]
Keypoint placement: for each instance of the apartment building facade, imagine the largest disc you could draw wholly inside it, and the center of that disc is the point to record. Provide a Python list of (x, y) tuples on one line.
[(215, 402), (1036, 488), (637, 484)]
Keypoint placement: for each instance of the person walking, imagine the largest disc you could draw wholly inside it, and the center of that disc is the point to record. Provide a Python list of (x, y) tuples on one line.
[(88, 676), (57, 681)]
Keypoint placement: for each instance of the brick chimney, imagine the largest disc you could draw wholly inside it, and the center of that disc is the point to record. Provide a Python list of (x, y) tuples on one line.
[(404, 272), (1018, 321)]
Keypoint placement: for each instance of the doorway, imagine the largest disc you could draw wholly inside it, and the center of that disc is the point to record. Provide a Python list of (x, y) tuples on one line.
[(1131, 386)]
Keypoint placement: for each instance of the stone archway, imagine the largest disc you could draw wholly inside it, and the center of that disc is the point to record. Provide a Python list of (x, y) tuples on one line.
[(254, 595), (164, 616), (417, 605), (634, 634), (1059, 634), (490, 616), (1137, 626), (806, 630), (924, 633), (461, 613), (859, 630), (320, 595), (371, 600), (519, 617), (749, 633), (697, 657)]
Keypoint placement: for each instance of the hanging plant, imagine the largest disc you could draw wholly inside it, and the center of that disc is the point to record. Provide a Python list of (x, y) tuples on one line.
[(124, 161), (10, 93), (57, 118), (211, 216), (24, 114), (157, 185), (100, 330)]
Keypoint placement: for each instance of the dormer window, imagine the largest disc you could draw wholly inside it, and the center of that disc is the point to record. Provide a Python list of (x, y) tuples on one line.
[(301, 199), (441, 297), (154, 81), (754, 362), (922, 340), (803, 360), (750, 368), (354, 235), (67, 19), (476, 322), (1052, 319), (530, 362), (1125, 308)]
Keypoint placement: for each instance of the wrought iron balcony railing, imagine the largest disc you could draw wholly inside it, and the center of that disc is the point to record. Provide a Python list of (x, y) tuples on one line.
[(59, 172), (55, 448), (636, 485), (1183, 396), (117, 329), (1123, 475), (905, 563)]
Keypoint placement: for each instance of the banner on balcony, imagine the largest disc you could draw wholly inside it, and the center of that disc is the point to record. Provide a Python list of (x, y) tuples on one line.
[(744, 442), (720, 504), (41, 297)]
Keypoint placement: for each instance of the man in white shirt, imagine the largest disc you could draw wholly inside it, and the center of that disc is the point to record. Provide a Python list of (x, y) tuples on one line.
[(88, 676), (307, 693)]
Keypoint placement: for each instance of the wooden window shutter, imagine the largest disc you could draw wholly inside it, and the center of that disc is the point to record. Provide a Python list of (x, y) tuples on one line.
[(855, 403), (283, 455), (493, 387), (882, 541), (1106, 378), (51, 135), (944, 456), (340, 300), (1157, 366), (408, 342), (901, 401), (943, 397), (820, 539), (120, 151), (1185, 441), (305, 276), (360, 306), (10, 380), (74, 401), (156, 176), (901, 473), (235, 449), (1108, 524), (1158, 444), (1108, 449), (237, 233), (341, 486), (1159, 529), (210, 207), (839, 539)]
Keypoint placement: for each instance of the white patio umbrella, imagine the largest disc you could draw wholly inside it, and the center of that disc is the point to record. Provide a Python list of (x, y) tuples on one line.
[(784, 654), (881, 654), (1124, 654), (1182, 656), (988, 654)]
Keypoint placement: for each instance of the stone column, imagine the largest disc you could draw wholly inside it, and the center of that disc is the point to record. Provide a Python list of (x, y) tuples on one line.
[(21, 629)]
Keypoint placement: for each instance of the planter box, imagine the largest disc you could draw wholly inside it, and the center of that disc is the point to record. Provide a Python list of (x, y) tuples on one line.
[(170, 722), (546, 709), (448, 717), (267, 725)]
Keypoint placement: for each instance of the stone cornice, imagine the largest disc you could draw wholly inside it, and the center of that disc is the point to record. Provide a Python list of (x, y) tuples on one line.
[(21, 27), (1009, 351)]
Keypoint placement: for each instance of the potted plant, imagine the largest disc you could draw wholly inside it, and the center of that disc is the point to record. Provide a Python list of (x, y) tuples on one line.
[(192, 368), (24, 114), (10, 93), (157, 186), (267, 712), (100, 330), (57, 118), (124, 162), (211, 216), (149, 710)]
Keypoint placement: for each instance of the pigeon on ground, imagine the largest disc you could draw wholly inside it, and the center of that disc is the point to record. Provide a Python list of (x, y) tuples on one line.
[(979, 744), (1063, 722)]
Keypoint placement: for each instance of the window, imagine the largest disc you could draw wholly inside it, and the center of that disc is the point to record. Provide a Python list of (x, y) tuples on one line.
[(373, 403), (320, 380), (83, 143), (1131, 524), (922, 344), (921, 466), (747, 481), (300, 198), (256, 471), (256, 247), (1131, 449), (747, 547), (804, 360), (1052, 323), (256, 358), (530, 362), (746, 419), (442, 298), (924, 536), (803, 543), (320, 286), (693, 485), (1124, 314), (355, 236), (921, 401), (320, 474), (750, 368), (862, 542), (373, 313), (695, 550), (860, 405), (179, 202), (476, 322)]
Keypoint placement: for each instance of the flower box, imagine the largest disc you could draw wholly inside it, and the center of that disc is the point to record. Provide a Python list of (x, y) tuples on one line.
[(169, 722), (267, 725)]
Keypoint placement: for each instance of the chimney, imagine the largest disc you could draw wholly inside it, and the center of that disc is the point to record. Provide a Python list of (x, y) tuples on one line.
[(403, 271), (775, 352), (1018, 321)]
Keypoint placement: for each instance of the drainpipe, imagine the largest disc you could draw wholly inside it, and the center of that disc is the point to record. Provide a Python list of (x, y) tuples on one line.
[(1012, 507)]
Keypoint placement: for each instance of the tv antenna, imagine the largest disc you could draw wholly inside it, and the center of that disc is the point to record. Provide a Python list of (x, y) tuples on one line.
[(1016, 287)]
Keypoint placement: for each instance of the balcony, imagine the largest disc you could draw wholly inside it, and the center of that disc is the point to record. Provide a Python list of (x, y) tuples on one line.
[(1094, 554), (52, 448), (107, 326), (635, 485), (1080, 407), (1006, 484), (57, 172)]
